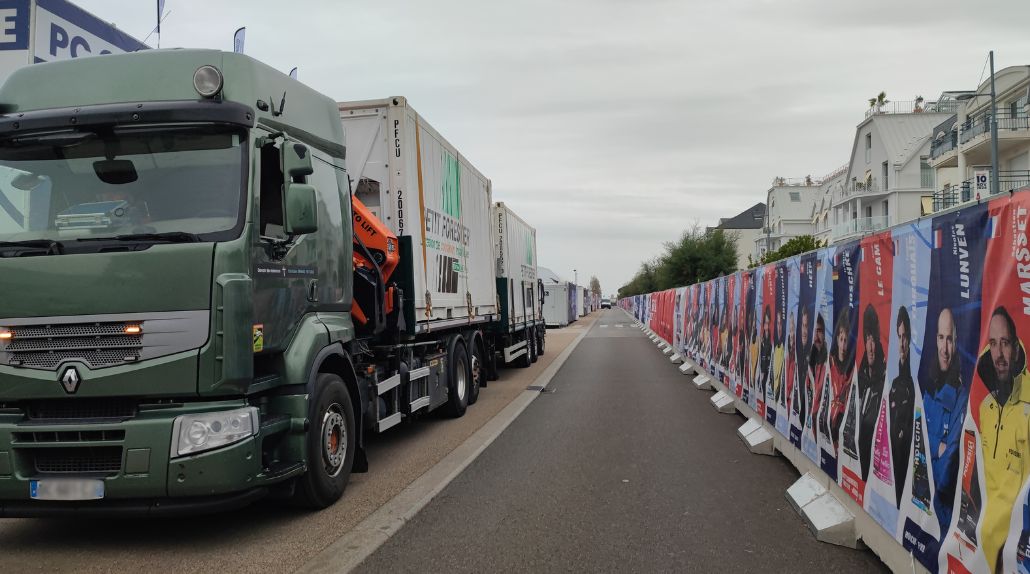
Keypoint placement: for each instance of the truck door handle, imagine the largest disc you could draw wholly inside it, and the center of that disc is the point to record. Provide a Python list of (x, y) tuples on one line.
[(313, 291)]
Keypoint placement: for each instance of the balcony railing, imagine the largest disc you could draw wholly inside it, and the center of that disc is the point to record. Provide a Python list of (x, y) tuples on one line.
[(860, 225), (942, 146), (853, 188), (981, 124), (949, 106), (1008, 180)]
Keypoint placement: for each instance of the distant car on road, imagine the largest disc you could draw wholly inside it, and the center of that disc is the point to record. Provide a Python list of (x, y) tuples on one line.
[(606, 303)]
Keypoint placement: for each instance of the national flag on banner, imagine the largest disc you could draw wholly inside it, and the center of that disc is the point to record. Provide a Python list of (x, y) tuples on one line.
[(993, 226), (938, 239), (237, 40)]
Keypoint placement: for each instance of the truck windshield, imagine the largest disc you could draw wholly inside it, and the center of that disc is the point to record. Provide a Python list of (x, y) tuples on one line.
[(122, 181)]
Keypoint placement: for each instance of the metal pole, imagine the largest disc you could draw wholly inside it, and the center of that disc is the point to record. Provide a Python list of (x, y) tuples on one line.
[(995, 184)]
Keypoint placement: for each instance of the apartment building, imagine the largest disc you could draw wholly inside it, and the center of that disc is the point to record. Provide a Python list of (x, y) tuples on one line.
[(830, 185), (889, 172), (960, 153), (789, 204)]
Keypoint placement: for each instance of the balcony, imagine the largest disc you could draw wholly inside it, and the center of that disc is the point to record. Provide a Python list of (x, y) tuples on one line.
[(859, 226), (855, 188), (941, 146), (974, 137), (966, 191), (914, 107)]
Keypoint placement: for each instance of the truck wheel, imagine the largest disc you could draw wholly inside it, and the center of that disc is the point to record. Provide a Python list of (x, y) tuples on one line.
[(459, 378), (541, 341), (531, 345), (330, 444), (478, 370)]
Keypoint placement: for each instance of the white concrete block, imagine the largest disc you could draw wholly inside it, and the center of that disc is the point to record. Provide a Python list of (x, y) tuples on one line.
[(749, 427), (687, 367), (723, 403), (761, 442), (676, 358), (667, 349), (828, 519), (804, 490)]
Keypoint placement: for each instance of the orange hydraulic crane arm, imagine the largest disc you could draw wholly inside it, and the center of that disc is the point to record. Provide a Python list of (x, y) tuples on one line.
[(378, 239)]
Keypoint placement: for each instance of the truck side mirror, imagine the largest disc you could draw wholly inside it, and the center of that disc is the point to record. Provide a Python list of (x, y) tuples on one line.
[(301, 214), (296, 161)]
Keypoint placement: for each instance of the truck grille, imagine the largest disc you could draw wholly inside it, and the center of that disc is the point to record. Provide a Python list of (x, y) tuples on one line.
[(79, 409), (97, 344), (78, 460), (69, 436)]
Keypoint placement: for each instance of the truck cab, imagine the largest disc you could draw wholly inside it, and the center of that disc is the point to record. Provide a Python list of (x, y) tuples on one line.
[(176, 247)]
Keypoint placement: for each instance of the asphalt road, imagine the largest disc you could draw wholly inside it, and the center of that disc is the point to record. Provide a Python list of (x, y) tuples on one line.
[(623, 468), (266, 537)]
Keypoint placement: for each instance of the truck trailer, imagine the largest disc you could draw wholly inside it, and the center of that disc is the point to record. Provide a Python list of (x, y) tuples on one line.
[(207, 306)]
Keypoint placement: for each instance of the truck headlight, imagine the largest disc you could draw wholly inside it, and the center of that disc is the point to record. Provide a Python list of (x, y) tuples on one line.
[(205, 431)]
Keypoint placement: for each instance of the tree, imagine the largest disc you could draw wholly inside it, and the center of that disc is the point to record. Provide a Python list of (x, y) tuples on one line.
[(595, 286), (796, 246), (699, 255)]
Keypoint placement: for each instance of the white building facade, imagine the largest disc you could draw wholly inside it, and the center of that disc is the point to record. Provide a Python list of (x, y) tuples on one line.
[(789, 204), (961, 149), (889, 172)]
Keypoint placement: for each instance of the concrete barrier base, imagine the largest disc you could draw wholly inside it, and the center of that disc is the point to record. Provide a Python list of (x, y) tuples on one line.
[(828, 519), (703, 383), (687, 368), (757, 438), (723, 402), (666, 349), (675, 358)]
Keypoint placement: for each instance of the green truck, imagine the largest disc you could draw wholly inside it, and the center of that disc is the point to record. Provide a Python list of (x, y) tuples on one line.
[(182, 285)]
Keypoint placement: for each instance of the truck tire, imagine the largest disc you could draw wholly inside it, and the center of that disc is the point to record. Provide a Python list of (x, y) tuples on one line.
[(531, 344), (459, 378), (477, 366), (330, 444), (541, 341)]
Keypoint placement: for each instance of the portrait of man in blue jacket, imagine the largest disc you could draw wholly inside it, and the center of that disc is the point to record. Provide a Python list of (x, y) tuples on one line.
[(944, 401)]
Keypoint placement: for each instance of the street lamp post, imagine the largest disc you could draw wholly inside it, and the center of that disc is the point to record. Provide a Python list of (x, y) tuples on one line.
[(995, 184), (575, 277)]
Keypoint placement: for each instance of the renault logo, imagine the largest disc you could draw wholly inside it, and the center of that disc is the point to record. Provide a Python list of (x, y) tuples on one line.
[(70, 380)]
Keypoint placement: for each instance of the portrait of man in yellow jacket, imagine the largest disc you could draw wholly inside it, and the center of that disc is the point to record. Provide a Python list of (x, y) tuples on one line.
[(1004, 419)]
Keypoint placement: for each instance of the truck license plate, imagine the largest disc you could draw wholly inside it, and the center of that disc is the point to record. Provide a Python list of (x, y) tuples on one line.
[(66, 489)]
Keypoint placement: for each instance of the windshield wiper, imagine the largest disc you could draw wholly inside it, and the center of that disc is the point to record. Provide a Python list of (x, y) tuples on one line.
[(171, 237), (50, 245)]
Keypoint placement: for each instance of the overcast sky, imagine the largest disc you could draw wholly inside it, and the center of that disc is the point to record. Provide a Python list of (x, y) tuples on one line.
[(613, 125)]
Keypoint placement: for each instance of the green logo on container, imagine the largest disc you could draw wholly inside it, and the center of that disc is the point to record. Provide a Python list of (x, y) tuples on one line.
[(451, 186)]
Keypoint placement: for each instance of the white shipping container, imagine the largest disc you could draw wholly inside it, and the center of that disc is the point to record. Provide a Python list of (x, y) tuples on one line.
[(421, 187), (515, 254), (581, 309)]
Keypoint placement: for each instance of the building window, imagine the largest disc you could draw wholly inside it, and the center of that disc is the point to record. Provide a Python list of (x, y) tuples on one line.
[(883, 168), (885, 211), (869, 211), (795, 196), (868, 147), (925, 173)]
